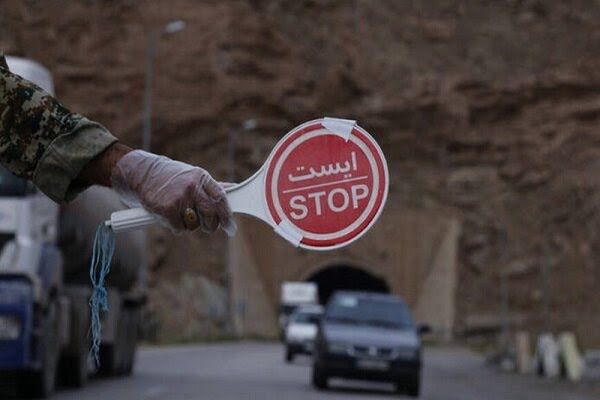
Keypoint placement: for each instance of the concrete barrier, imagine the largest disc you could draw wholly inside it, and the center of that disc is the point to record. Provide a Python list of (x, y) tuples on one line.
[(547, 356), (570, 356), (523, 352)]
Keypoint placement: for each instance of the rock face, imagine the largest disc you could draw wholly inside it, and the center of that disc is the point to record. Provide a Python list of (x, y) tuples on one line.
[(490, 108)]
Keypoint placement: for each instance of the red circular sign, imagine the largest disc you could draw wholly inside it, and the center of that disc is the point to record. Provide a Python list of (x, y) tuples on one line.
[(328, 186)]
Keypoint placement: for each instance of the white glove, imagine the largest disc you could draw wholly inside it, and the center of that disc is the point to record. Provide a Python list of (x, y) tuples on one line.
[(166, 188)]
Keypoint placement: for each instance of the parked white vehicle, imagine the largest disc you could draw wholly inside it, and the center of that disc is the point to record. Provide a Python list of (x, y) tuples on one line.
[(293, 295), (301, 331), (45, 287)]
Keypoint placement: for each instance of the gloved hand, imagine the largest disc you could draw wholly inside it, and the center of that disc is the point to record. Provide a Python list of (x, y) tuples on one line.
[(167, 188)]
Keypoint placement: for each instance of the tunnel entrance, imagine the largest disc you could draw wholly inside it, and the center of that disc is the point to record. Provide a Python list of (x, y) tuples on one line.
[(343, 277)]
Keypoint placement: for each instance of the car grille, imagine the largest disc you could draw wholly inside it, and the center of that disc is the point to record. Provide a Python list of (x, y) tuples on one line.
[(372, 352)]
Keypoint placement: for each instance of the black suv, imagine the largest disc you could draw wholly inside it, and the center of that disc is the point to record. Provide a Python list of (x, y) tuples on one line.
[(368, 336)]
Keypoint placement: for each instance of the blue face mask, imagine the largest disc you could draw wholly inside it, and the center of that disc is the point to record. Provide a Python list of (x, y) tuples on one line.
[(103, 251)]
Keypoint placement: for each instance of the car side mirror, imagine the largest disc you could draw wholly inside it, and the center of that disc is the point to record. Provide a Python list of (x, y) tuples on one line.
[(423, 329)]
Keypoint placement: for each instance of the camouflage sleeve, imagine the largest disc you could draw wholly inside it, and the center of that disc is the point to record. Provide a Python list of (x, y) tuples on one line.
[(43, 141)]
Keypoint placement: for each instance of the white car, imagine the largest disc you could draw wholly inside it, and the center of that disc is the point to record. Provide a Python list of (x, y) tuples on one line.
[(301, 330)]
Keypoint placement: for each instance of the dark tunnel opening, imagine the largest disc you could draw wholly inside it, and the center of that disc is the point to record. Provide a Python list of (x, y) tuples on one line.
[(344, 277)]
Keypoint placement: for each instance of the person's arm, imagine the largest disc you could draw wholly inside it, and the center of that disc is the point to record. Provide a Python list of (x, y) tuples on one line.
[(99, 169), (63, 153), (41, 140)]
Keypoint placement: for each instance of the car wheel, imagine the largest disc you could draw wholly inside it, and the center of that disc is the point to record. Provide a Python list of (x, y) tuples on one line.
[(74, 364), (319, 378), (41, 383), (289, 355), (118, 358), (73, 370), (413, 385)]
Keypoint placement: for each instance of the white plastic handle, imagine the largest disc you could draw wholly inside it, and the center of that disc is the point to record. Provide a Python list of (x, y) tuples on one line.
[(131, 219), (244, 198)]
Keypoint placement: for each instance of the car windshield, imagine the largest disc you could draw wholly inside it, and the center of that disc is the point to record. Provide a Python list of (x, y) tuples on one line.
[(383, 313), (307, 318), (287, 309)]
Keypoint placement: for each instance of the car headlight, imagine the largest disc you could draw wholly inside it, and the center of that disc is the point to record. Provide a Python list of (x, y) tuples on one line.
[(10, 328), (337, 347), (404, 352)]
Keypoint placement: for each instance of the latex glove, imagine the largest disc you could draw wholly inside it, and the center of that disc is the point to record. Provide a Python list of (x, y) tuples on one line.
[(166, 188)]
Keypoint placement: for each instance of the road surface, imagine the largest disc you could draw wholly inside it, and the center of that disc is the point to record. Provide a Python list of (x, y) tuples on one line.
[(257, 371)]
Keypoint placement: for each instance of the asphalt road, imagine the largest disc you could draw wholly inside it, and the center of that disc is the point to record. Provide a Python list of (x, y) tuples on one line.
[(257, 371)]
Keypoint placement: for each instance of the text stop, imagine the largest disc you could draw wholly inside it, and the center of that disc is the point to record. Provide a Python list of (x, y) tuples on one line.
[(337, 200)]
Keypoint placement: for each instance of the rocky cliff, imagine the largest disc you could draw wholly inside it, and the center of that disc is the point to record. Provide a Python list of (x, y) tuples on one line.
[(488, 107)]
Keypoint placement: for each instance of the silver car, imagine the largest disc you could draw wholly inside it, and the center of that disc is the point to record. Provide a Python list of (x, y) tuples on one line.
[(301, 330)]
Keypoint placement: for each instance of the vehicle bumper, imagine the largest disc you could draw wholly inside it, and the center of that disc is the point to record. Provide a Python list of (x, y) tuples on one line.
[(343, 366), (305, 347)]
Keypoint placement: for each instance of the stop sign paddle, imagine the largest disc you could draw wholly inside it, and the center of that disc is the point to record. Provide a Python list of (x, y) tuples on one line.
[(323, 186)]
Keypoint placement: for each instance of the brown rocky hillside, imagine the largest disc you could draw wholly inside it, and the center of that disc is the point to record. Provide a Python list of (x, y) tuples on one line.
[(489, 107)]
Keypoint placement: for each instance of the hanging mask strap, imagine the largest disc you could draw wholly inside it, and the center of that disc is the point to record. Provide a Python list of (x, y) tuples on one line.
[(102, 253)]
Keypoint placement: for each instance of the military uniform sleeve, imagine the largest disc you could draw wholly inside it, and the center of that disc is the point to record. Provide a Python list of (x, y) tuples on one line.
[(43, 141)]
